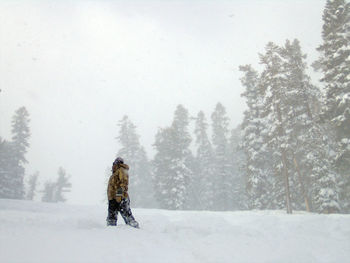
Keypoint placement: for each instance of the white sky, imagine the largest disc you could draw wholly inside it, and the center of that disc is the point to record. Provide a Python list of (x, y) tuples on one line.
[(79, 66)]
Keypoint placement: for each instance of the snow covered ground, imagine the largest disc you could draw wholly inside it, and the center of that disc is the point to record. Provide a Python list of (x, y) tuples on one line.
[(41, 232)]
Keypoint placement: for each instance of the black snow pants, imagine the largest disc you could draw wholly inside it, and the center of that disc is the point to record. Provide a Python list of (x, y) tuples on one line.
[(123, 207)]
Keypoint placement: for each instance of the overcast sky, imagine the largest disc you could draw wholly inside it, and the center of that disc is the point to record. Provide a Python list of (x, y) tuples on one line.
[(79, 66)]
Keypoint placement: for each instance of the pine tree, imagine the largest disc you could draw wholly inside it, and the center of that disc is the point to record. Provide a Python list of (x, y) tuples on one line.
[(32, 185), (62, 185), (334, 63), (313, 172), (8, 167), (237, 163), (172, 170), (204, 177), (48, 192), (144, 193), (140, 181), (161, 164), (299, 96), (258, 158), (107, 173), (273, 84), (20, 136), (128, 140), (53, 191), (222, 166)]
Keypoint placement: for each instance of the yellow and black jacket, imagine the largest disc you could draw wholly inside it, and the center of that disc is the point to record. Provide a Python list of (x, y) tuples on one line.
[(118, 183)]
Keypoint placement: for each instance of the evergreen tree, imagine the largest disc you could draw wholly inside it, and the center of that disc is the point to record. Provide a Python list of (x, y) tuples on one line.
[(144, 193), (162, 162), (274, 108), (140, 181), (107, 173), (203, 177), (222, 166), (53, 191), (8, 167), (12, 163), (313, 172), (334, 63), (48, 192), (172, 170), (281, 135), (20, 134), (32, 185), (258, 158), (62, 185), (238, 179), (128, 140)]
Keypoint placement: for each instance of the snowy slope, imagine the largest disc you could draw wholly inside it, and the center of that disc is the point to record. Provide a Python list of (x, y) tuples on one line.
[(40, 232)]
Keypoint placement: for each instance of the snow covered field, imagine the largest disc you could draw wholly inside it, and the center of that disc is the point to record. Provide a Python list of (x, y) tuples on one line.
[(41, 232)]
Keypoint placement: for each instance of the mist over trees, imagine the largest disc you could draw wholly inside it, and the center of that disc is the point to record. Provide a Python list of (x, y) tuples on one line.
[(13, 159), (297, 141), (53, 192), (334, 64), (204, 174), (291, 150), (180, 179), (298, 172), (32, 186), (12, 166), (140, 184), (172, 162)]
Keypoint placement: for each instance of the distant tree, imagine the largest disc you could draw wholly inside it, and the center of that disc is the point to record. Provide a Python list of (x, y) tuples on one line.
[(48, 192), (107, 173), (13, 157), (258, 164), (145, 188), (141, 185), (239, 194), (172, 162), (32, 186), (62, 185), (161, 164), (273, 111), (128, 140), (53, 191), (8, 167), (20, 134), (334, 63), (204, 177), (223, 195)]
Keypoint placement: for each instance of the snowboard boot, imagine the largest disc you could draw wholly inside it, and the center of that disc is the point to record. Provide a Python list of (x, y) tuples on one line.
[(133, 223), (125, 211), (130, 220), (111, 222), (112, 219)]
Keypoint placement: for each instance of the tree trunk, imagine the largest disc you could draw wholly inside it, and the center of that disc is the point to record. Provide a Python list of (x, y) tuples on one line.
[(286, 182), (284, 162), (306, 199)]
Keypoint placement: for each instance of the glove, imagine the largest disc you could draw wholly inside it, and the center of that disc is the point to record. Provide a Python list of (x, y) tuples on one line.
[(119, 194)]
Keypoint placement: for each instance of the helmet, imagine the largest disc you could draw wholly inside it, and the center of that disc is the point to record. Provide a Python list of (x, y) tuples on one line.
[(119, 160)]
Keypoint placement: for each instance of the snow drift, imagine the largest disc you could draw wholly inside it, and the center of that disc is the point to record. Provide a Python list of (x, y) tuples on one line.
[(42, 232)]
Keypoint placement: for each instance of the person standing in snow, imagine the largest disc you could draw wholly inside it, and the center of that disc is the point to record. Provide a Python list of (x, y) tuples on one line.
[(118, 198)]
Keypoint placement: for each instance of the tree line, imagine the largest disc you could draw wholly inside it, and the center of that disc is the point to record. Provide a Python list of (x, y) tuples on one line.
[(178, 179), (12, 166), (292, 150), (296, 135)]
